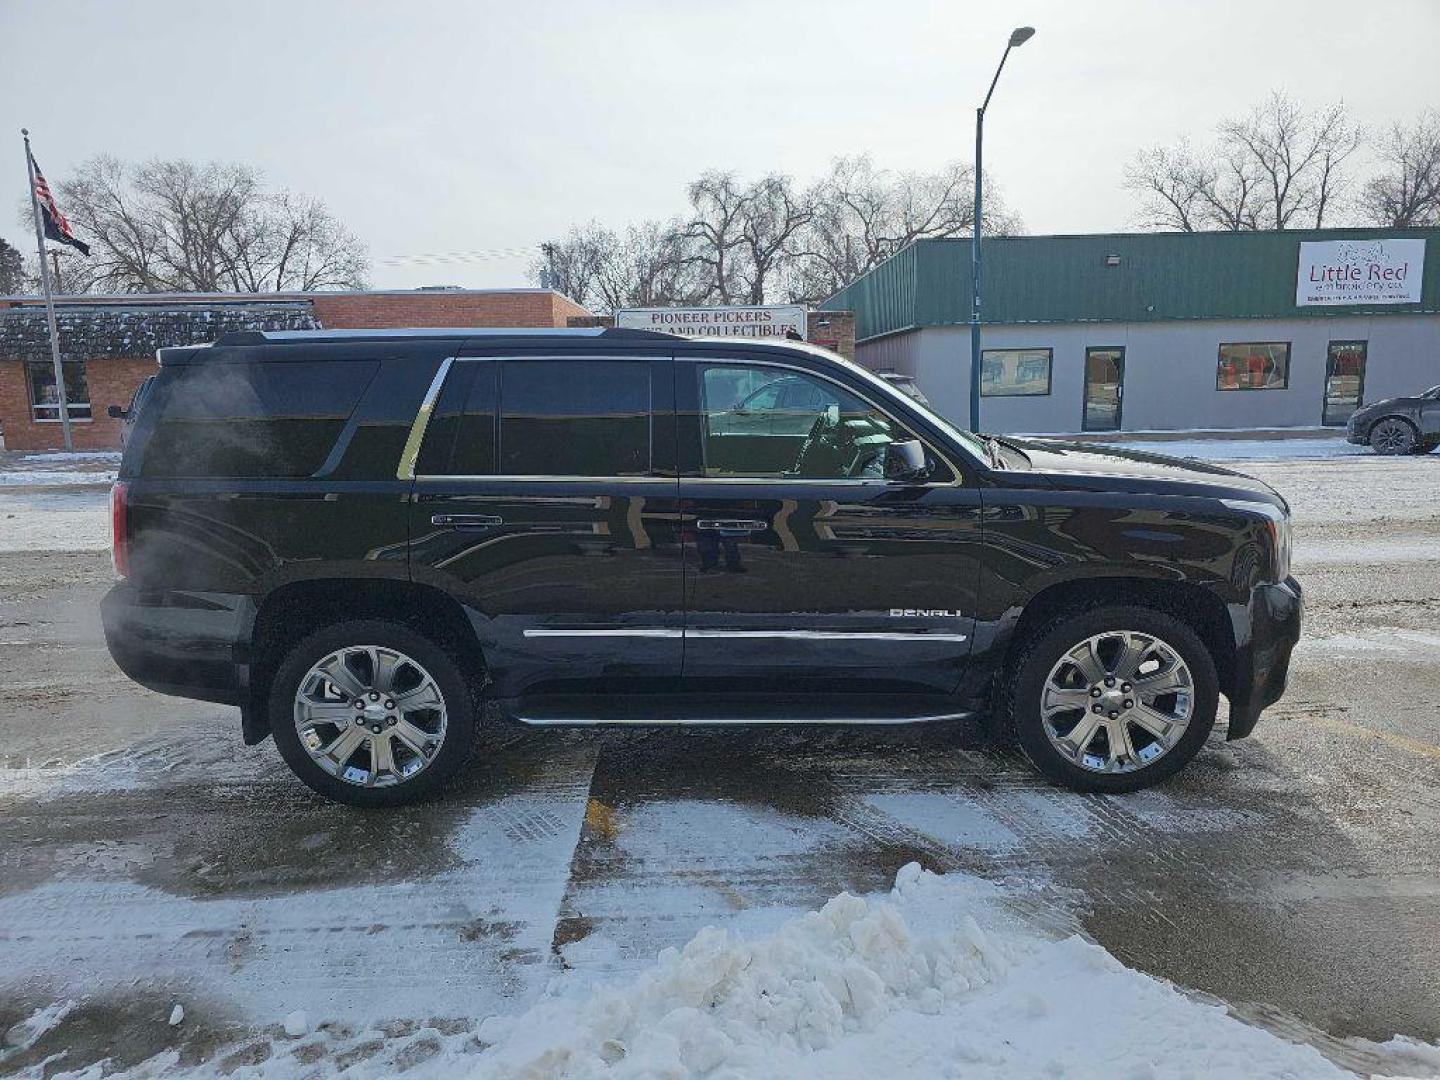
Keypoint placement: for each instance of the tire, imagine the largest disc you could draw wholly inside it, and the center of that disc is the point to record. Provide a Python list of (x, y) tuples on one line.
[(1045, 656), (412, 776), (1393, 436)]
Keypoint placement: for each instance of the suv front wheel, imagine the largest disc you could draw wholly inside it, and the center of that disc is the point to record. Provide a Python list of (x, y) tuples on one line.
[(371, 713), (1112, 700)]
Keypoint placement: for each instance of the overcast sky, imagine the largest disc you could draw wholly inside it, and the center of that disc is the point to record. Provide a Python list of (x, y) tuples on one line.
[(483, 128)]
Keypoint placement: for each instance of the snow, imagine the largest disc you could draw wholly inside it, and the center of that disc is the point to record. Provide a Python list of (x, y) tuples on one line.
[(937, 978), (78, 455), (54, 521), (1245, 449), (55, 478)]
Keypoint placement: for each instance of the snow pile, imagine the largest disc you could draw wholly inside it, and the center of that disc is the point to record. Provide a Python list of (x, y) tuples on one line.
[(937, 979), (722, 1002)]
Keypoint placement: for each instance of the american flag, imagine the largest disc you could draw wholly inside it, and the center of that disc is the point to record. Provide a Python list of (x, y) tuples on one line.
[(56, 227)]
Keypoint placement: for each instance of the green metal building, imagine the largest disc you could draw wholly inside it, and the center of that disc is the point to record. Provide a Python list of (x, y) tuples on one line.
[(1160, 331)]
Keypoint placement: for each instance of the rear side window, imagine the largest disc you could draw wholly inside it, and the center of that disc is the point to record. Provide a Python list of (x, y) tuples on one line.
[(266, 419), (541, 417), (460, 438), (575, 418)]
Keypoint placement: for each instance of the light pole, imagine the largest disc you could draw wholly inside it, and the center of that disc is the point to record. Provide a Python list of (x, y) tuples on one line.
[(1018, 36)]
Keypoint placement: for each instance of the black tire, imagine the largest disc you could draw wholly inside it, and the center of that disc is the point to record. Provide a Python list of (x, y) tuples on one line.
[(460, 701), (1393, 436), (1027, 675)]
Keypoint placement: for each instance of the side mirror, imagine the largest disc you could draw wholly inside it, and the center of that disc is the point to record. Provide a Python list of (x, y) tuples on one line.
[(115, 412), (906, 461)]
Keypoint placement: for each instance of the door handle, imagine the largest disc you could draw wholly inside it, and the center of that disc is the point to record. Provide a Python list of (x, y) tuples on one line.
[(467, 521), (731, 525)]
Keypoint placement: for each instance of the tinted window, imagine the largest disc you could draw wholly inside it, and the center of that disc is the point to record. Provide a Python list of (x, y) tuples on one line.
[(788, 424), (253, 419), (460, 438), (575, 418)]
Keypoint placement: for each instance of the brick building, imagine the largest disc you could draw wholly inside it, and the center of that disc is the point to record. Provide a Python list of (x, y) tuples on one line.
[(108, 343)]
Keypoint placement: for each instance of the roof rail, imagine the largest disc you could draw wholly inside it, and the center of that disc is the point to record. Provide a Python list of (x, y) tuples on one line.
[(242, 337)]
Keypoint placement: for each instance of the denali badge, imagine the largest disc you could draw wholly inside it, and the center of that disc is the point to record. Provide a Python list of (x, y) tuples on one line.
[(923, 613)]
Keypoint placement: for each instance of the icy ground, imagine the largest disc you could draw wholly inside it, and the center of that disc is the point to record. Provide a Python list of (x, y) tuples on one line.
[(939, 978)]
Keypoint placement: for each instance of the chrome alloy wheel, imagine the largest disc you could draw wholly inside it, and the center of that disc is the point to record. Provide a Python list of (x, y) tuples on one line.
[(370, 715), (1117, 701)]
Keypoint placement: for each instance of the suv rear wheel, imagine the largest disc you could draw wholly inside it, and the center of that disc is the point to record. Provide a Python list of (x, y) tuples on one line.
[(371, 713), (1112, 700)]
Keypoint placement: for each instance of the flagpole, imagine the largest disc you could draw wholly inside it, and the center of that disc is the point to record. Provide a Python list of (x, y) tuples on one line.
[(49, 299)]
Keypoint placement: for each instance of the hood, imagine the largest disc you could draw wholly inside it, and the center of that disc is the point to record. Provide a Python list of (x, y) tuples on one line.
[(1092, 466), (1394, 404)]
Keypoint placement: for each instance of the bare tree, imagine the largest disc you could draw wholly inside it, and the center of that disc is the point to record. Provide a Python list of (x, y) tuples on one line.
[(1173, 186), (863, 215), (645, 266), (754, 243), (1298, 156), (1280, 167), (648, 267), (174, 226), (739, 236), (1406, 190), (12, 270)]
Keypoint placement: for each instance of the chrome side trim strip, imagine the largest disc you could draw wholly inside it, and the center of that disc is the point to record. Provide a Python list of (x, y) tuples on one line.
[(829, 635), (513, 479), (406, 469), (648, 632), (798, 635)]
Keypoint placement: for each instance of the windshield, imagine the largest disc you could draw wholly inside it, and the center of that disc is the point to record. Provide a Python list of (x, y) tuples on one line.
[(966, 439)]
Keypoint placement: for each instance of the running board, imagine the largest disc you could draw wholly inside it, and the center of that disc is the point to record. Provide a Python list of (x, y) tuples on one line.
[(567, 710)]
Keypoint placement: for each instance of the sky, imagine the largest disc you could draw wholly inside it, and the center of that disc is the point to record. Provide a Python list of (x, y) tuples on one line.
[(453, 137)]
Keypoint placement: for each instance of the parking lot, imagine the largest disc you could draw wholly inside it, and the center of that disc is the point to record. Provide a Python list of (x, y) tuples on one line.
[(147, 858)]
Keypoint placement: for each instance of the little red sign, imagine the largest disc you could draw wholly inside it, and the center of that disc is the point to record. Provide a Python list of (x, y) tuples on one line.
[(1334, 272)]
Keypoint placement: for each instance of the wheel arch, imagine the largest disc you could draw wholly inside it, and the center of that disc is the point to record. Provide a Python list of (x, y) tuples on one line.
[(1199, 608), (293, 611), (1406, 420)]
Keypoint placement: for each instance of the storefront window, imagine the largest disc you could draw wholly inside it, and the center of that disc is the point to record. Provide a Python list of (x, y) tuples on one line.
[(45, 402), (1014, 372), (1263, 365)]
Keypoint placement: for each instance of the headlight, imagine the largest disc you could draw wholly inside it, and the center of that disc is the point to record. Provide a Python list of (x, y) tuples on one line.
[(1277, 525)]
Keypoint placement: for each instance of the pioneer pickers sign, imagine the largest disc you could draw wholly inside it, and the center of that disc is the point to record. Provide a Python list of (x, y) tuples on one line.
[(1335, 272), (771, 321)]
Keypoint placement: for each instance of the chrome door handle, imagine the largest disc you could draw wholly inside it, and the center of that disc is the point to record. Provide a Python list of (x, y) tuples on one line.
[(467, 521), (731, 525)]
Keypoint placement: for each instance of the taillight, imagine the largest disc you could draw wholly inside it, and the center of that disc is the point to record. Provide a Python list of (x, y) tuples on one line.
[(120, 527)]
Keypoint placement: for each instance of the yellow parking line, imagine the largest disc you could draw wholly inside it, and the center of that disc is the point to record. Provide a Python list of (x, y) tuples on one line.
[(1403, 742)]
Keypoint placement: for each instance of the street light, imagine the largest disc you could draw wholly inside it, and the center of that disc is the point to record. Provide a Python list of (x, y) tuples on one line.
[(1018, 36)]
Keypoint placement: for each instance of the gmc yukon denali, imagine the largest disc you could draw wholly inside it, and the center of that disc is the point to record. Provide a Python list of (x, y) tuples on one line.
[(367, 540)]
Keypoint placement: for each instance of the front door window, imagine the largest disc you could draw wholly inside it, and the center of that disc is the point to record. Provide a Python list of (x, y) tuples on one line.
[(1104, 388), (1344, 381), (774, 422)]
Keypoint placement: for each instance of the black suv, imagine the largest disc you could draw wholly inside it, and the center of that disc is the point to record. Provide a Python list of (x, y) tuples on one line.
[(360, 537)]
